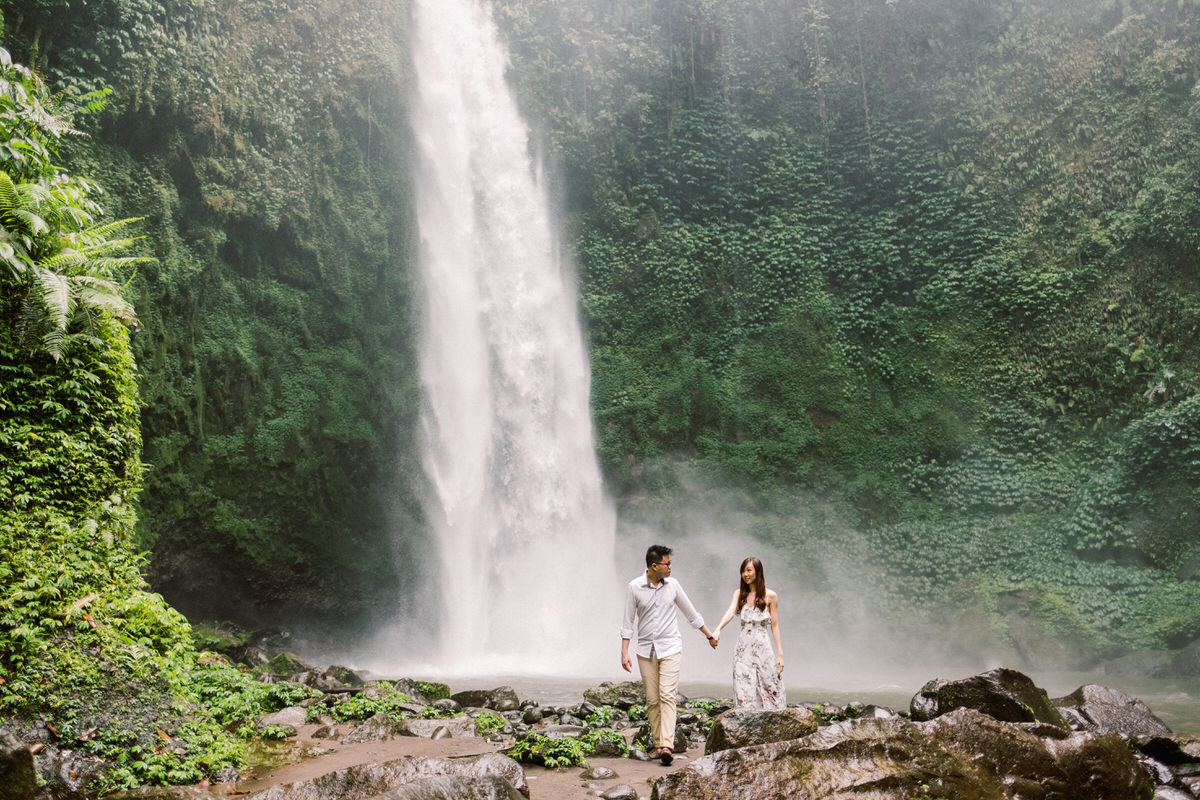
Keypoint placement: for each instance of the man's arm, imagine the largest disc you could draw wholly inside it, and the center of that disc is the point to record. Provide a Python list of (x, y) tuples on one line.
[(691, 614), (627, 627)]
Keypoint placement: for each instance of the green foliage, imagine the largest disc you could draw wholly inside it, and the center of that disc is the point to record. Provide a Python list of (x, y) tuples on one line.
[(537, 748), (58, 256), (602, 717), (487, 722), (592, 740), (362, 706), (432, 691)]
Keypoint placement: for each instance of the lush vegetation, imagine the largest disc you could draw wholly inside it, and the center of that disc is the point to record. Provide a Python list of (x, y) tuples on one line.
[(917, 278), (87, 652), (913, 283), (263, 148)]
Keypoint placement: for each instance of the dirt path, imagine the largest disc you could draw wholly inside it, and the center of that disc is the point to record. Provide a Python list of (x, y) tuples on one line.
[(319, 756)]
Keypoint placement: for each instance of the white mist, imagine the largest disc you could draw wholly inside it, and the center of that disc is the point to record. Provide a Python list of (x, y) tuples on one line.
[(524, 580)]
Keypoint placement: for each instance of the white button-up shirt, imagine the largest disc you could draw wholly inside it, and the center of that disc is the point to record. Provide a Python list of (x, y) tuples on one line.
[(653, 608)]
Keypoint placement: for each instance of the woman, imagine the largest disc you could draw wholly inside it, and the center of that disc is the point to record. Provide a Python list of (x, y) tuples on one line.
[(757, 682)]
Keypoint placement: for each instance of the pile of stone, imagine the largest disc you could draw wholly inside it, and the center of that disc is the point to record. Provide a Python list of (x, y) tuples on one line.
[(991, 736)]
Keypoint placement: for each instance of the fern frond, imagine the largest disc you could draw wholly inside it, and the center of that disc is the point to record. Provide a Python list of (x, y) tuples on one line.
[(54, 294), (105, 296), (64, 262), (8, 192)]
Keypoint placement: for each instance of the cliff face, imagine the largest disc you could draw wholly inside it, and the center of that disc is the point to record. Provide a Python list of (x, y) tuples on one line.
[(910, 279), (265, 146)]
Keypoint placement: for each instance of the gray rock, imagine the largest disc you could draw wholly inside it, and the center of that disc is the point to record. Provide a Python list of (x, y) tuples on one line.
[(371, 780), (622, 791), (345, 675), (446, 705), (743, 727), (376, 729), (1003, 694), (961, 754), (598, 773), (502, 698), (292, 717), (456, 727), (454, 788), (18, 780), (1105, 710), (622, 695)]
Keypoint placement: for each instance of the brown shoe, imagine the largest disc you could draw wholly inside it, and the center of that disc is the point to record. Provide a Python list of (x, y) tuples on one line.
[(666, 756), (655, 753)]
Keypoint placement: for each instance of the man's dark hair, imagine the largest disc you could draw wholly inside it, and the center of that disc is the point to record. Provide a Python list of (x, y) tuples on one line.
[(656, 553)]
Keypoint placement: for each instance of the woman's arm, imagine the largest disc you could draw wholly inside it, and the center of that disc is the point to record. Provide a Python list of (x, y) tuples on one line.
[(729, 615), (773, 607)]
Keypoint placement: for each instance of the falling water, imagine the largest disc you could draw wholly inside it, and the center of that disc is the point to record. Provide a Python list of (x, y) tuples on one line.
[(524, 533)]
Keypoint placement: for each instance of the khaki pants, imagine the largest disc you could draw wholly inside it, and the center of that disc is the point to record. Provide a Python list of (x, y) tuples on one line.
[(661, 679)]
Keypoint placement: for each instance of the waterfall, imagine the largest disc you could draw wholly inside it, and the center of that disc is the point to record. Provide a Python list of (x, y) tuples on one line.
[(524, 578)]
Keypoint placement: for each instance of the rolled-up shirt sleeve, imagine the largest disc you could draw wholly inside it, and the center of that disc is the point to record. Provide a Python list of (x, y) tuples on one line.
[(629, 614), (685, 605)]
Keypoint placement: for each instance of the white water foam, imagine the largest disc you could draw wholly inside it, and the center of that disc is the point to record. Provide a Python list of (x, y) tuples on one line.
[(524, 580)]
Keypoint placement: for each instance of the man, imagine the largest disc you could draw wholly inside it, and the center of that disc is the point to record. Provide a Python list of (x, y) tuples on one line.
[(651, 599)]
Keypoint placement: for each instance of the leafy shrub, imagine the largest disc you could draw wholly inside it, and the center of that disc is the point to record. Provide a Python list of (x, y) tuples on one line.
[(487, 722), (537, 748)]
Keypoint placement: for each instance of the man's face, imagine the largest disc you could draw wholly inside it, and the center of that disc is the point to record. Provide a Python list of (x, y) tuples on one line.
[(659, 569)]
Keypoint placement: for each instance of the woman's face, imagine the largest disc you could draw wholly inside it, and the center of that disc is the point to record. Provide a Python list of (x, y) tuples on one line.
[(748, 573)]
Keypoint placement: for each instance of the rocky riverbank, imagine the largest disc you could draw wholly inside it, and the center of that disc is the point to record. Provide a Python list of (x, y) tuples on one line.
[(992, 735)]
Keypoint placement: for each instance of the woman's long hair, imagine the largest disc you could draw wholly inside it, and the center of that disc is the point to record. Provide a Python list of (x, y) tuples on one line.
[(759, 587)]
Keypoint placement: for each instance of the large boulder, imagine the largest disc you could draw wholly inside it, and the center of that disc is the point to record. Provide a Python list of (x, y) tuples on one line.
[(372, 780), (1105, 710), (502, 698), (963, 754), (489, 787), (1003, 694), (456, 727), (744, 727), (623, 695)]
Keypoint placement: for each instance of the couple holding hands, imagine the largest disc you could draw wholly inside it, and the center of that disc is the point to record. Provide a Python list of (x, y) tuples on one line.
[(651, 600)]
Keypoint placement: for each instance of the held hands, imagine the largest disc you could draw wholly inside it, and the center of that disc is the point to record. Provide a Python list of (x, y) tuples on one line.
[(715, 639)]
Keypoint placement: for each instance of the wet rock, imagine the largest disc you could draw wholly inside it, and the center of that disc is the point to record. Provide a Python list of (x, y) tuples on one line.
[(67, 774), (964, 753), (743, 727), (622, 791), (1105, 710), (622, 695), (502, 698), (391, 778), (456, 727), (344, 675), (454, 788), (376, 729), (18, 780), (292, 717), (1003, 694), (598, 773), (288, 664)]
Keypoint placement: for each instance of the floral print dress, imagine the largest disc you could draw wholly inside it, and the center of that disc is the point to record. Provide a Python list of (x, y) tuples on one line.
[(756, 684)]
